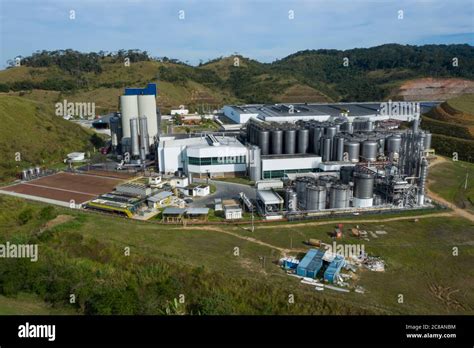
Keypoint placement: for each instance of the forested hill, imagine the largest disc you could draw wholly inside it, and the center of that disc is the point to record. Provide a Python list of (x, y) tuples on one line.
[(361, 74)]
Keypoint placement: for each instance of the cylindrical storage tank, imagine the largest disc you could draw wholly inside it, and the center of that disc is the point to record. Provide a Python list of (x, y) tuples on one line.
[(346, 174), (363, 189), (315, 197), (303, 141), (350, 127), (264, 141), (24, 174), (126, 146), (290, 141), (129, 109), (353, 150), (427, 141), (291, 200), (277, 142), (147, 108), (144, 138), (255, 163), (381, 145), (301, 192), (369, 150), (331, 131), (114, 131), (31, 172), (338, 154), (393, 143), (369, 126), (37, 171), (339, 197), (326, 149), (134, 137), (316, 139)]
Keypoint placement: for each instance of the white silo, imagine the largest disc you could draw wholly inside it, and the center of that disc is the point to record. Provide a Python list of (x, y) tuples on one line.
[(147, 107), (129, 109)]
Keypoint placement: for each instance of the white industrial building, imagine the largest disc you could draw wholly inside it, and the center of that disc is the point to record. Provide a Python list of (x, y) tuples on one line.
[(207, 156)]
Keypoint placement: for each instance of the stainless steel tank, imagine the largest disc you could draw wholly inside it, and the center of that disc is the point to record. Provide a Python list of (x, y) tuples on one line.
[(338, 150), (353, 150), (331, 131), (134, 137), (255, 163), (369, 150), (291, 200), (277, 142), (316, 139), (363, 185), (264, 141), (346, 174), (303, 140), (316, 197), (394, 143), (428, 138), (339, 196), (301, 184), (144, 138), (326, 148), (290, 141)]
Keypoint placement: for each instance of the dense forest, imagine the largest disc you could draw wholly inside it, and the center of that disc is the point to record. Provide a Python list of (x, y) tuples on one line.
[(358, 74)]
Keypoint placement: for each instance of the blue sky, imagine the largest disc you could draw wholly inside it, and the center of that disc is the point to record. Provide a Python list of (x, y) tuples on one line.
[(259, 29)]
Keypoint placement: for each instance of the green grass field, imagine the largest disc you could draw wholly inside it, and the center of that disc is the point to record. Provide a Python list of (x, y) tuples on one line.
[(448, 179), (418, 255)]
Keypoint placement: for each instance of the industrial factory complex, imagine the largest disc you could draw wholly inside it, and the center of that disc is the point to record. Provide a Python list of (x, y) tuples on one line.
[(305, 160)]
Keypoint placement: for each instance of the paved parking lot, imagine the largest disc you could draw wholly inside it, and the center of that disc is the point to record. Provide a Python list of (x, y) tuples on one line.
[(224, 190)]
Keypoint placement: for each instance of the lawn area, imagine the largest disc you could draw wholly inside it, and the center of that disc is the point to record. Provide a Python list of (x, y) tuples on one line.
[(27, 304), (448, 180), (221, 270)]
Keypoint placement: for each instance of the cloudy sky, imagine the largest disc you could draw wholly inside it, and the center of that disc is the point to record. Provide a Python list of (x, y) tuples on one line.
[(193, 30)]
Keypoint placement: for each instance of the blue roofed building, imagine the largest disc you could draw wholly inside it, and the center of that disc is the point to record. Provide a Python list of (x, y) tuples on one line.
[(334, 268), (310, 265), (150, 89)]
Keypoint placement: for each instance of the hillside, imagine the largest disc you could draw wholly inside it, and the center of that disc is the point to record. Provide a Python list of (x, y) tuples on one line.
[(377, 73), (33, 130), (452, 125)]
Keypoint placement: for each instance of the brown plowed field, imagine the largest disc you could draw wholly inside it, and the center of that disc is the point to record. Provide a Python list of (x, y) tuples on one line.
[(66, 186)]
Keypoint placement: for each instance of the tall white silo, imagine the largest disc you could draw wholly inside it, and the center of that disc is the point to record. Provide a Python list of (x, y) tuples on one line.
[(129, 109), (147, 107)]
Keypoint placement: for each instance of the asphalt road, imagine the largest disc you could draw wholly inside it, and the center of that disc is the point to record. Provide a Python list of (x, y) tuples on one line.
[(224, 190)]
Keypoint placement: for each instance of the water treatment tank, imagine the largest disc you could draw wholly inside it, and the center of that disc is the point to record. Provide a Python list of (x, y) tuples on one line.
[(291, 200), (129, 109), (264, 141), (393, 143), (339, 197), (147, 108), (353, 150), (316, 197), (134, 136), (277, 142), (369, 150), (326, 148), (303, 140), (363, 185), (290, 141)]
